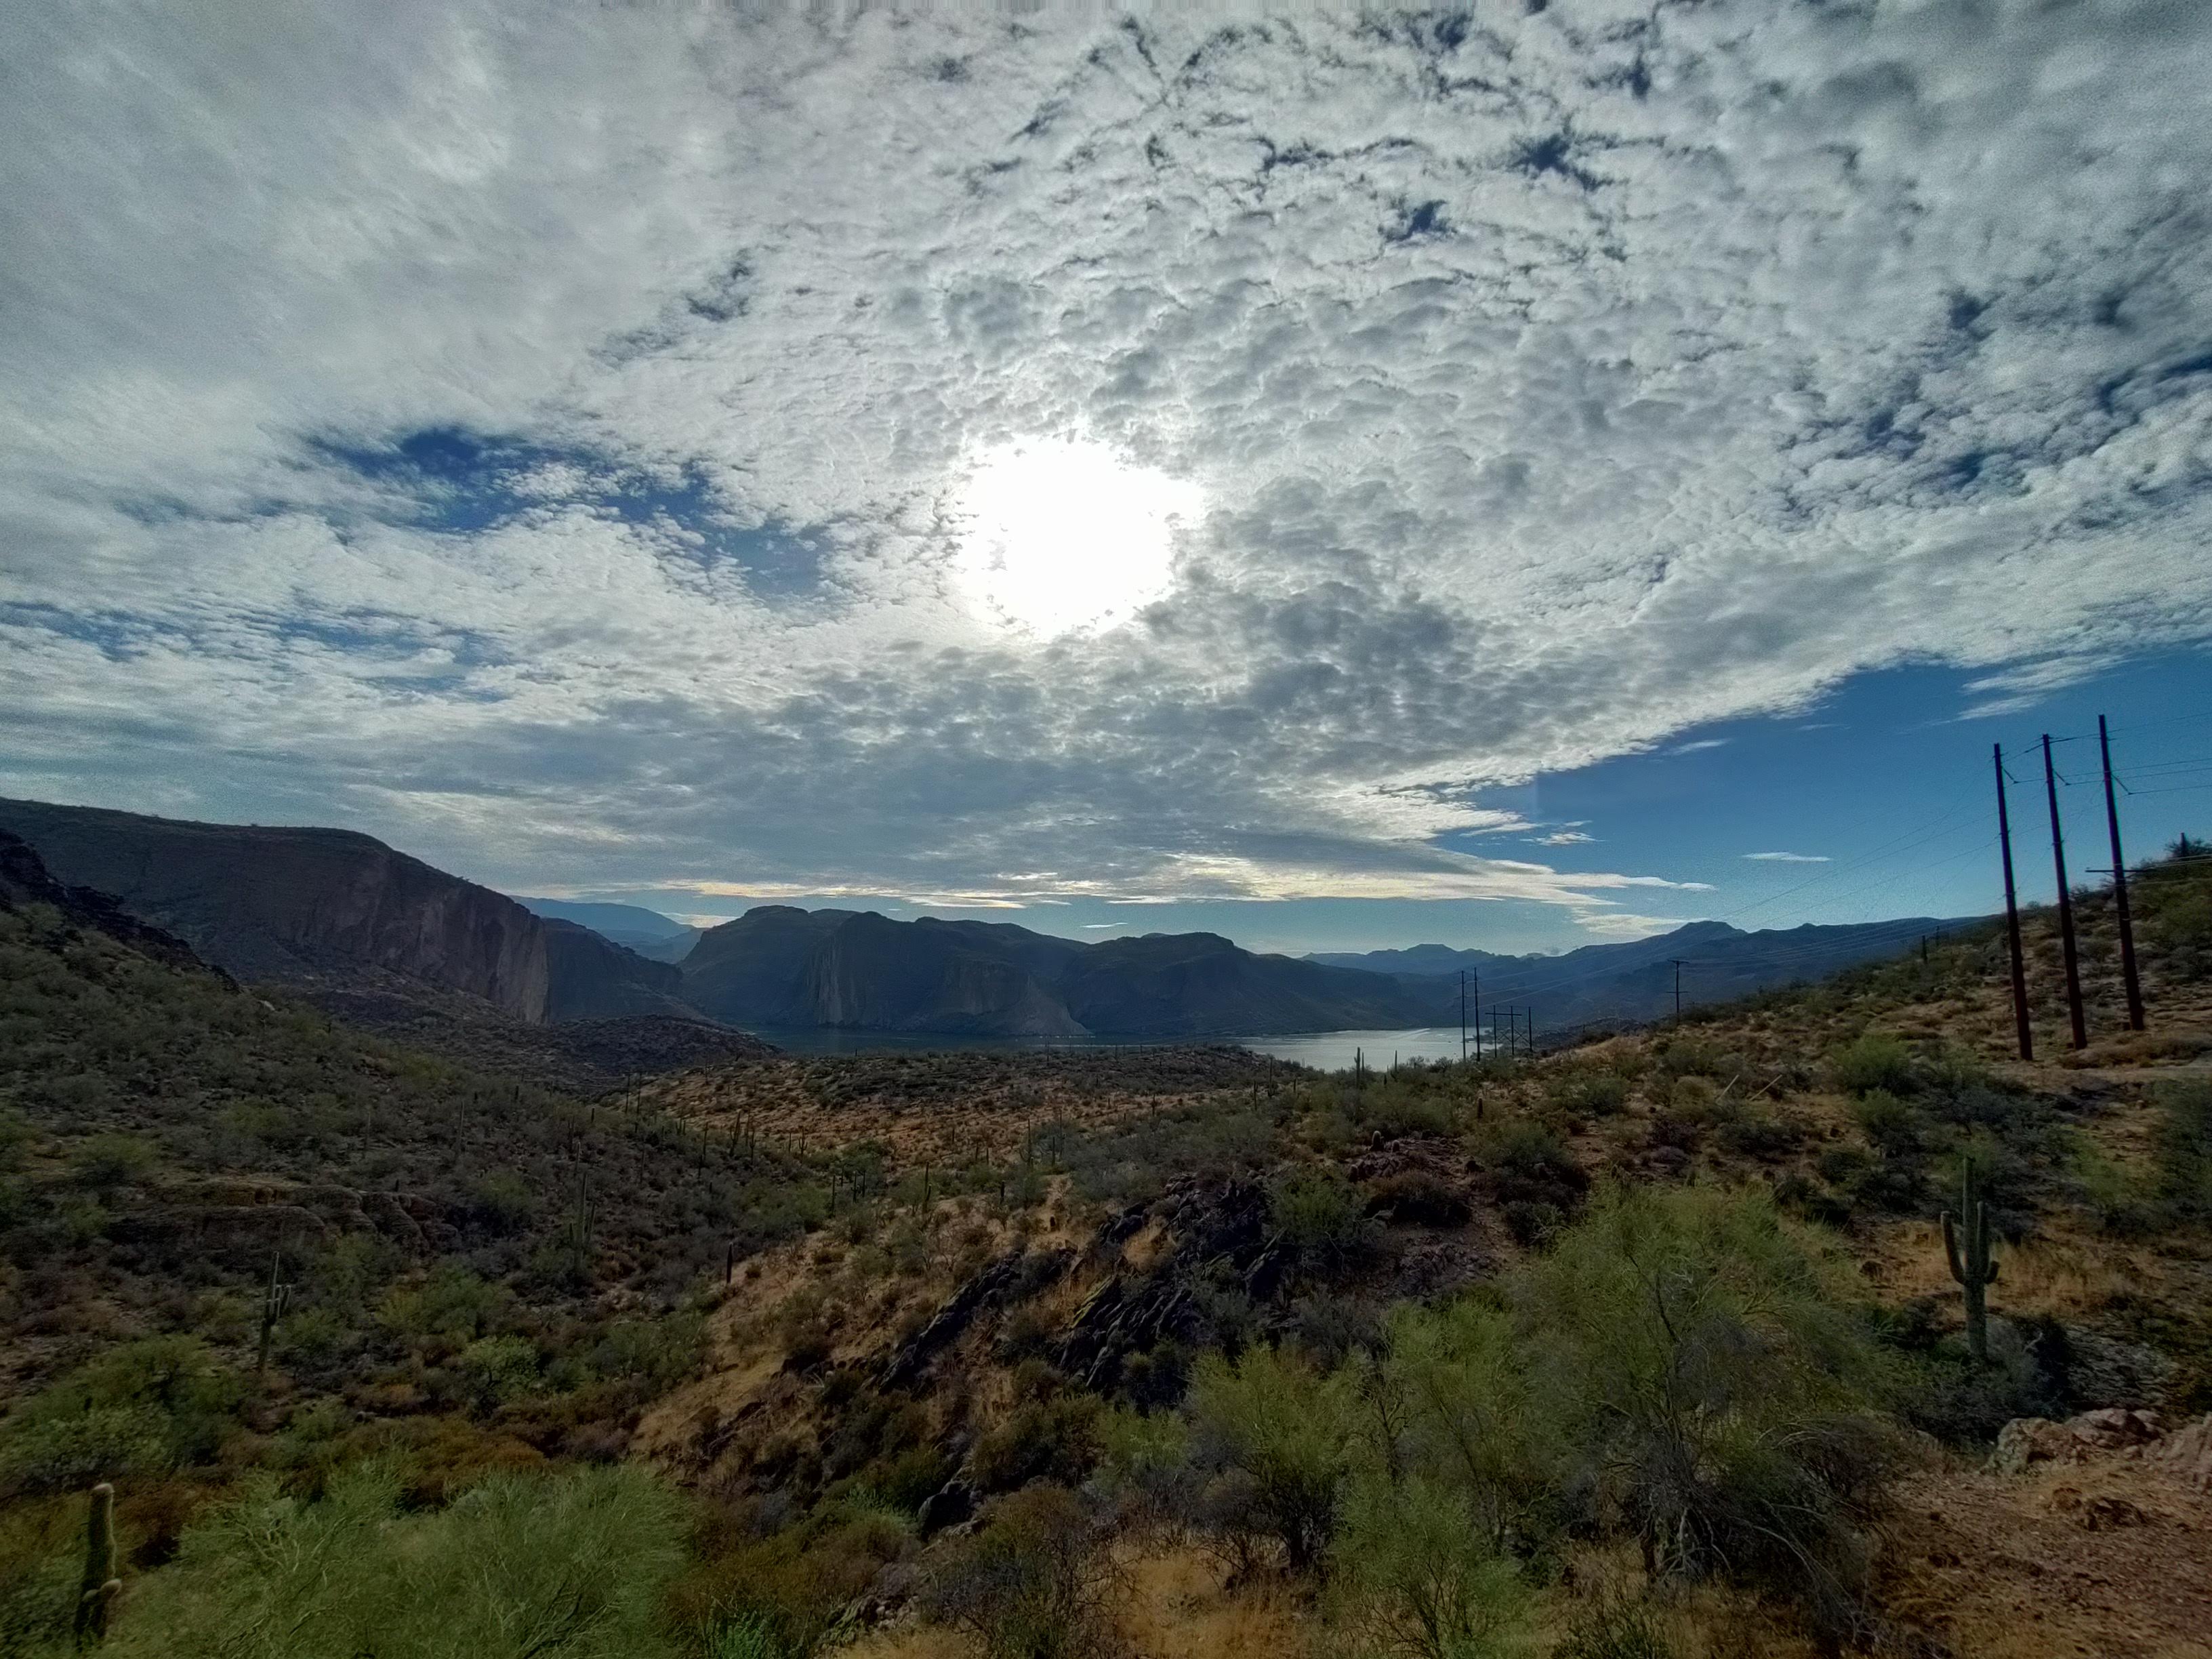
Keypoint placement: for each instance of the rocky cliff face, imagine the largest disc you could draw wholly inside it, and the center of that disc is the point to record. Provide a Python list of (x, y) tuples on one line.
[(328, 908)]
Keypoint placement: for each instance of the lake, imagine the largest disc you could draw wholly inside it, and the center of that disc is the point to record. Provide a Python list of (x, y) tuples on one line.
[(1327, 1051)]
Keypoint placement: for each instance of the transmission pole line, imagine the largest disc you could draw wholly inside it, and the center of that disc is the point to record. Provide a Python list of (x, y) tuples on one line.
[(2120, 887), (2012, 915), (2065, 905), (1677, 961), (1462, 1016)]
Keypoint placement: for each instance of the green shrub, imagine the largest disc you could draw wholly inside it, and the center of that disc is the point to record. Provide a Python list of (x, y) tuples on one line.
[(1886, 1121), (1054, 1439), (1285, 1429), (1690, 1056), (1318, 1214), (1592, 1093), (1715, 1389), (107, 1161), (498, 1369), (2184, 1149), (505, 1201), (1034, 1584), (1412, 1575), (1396, 1107), (1456, 1384), (152, 1405), (1874, 1061), (572, 1564)]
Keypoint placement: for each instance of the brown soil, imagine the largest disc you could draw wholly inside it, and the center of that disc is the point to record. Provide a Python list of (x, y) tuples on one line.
[(2111, 1558)]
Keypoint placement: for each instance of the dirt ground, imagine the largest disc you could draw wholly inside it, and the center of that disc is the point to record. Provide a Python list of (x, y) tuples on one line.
[(2109, 1559)]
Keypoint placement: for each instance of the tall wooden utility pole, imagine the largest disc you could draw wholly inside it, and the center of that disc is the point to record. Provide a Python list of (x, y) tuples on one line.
[(1677, 961), (2065, 905), (2120, 887), (1462, 1016), (2012, 915)]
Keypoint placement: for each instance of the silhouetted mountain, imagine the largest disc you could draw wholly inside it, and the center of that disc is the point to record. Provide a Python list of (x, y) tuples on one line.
[(1635, 980), (780, 966), (330, 909), (25, 879), (661, 939)]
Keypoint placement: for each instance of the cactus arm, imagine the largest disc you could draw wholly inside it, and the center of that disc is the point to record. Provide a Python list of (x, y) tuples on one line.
[(1951, 1248)]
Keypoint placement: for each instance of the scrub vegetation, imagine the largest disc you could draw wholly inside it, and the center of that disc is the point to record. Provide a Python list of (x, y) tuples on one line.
[(1650, 1347)]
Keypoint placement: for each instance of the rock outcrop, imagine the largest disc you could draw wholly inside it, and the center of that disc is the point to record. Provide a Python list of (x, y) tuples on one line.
[(329, 908)]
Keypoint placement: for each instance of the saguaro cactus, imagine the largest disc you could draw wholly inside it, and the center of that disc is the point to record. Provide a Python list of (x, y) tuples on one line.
[(275, 1303), (1966, 1243), (100, 1584)]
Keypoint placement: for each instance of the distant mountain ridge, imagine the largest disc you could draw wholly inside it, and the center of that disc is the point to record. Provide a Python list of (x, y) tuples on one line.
[(776, 965), (333, 910), (361, 925), (652, 935), (1634, 981)]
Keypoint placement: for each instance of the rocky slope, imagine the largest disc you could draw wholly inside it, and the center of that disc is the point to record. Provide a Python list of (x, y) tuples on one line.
[(332, 910)]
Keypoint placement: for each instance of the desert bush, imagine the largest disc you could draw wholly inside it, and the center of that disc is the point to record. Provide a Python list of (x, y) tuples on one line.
[(1875, 1060), (497, 1369), (1398, 1107), (504, 1202), (1453, 1400), (1591, 1093), (1761, 1135), (159, 1403), (574, 1564), (2184, 1149), (1417, 1198), (1319, 1215), (1611, 1626), (1886, 1121), (2124, 1203), (1714, 1389), (1284, 1428), (1689, 1056), (1037, 1583), (1142, 1455), (1054, 1439), (1411, 1575), (106, 1161)]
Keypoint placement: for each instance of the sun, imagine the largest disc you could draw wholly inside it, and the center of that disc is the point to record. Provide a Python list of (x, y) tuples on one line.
[(1058, 535)]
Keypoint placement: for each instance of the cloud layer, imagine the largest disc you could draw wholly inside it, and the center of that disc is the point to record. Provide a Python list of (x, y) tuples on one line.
[(539, 434)]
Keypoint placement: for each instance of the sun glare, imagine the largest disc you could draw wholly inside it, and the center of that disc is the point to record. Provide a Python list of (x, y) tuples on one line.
[(1060, 535)]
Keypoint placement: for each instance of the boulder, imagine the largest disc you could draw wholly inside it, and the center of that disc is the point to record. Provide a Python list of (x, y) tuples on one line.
[(2186, 1453)]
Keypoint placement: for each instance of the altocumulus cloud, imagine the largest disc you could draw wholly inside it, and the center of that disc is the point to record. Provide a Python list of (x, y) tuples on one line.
[(537, 433)]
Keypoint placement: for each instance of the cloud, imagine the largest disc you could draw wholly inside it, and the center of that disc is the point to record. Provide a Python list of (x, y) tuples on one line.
[(542, 442), (1698, 747), (1789, 858), (1568, 835)]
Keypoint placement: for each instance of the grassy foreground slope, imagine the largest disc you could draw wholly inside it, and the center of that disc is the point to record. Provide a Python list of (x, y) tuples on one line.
[(1648, 1348)]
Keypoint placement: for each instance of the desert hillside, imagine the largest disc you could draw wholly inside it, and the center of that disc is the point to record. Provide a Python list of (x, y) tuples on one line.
[(1648, 1348)]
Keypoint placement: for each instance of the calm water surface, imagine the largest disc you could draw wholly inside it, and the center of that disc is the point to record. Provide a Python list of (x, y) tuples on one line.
[(1327, 1051)]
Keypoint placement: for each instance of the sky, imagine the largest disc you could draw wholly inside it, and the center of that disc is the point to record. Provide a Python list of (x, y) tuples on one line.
[(1519, 476)]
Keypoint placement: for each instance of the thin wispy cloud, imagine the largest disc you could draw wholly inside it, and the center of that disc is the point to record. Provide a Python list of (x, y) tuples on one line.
[(577, 447), (1788, 858)]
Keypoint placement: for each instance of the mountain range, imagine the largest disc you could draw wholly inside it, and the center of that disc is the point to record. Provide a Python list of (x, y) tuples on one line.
[(368, 929), (1637, 980)]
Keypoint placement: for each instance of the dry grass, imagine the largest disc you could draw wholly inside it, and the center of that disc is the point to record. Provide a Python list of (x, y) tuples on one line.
[(1181, 1608)]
